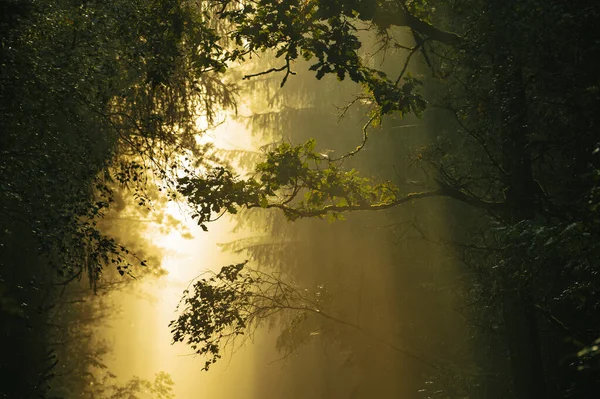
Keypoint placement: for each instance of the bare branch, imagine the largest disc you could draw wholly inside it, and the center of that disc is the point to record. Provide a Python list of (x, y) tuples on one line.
[(365, 131), (286, 68)]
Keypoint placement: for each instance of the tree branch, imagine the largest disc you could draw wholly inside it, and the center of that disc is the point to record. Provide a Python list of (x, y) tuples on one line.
[(444, 191), (402, 17), (430, 31)]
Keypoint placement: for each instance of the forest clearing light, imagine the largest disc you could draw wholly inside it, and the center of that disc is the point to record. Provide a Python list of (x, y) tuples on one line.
[(183, 243), (178, 243), (185, 260)]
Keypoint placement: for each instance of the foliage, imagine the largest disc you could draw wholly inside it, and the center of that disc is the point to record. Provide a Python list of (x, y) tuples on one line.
[(328, 33), (545, 247), (121, 100), (238, 299), (589, 357), (135, 388), (295, 179), (79, 353), (507, 101), (220, 308), (95, 95)]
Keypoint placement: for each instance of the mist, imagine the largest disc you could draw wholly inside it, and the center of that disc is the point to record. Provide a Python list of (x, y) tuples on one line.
[(382, 273)]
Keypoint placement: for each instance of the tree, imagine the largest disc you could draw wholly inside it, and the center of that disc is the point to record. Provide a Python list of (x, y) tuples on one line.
[(91, 100), (92, 97)]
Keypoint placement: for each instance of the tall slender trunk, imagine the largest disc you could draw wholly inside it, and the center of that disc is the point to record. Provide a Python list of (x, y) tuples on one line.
[(518, 312)]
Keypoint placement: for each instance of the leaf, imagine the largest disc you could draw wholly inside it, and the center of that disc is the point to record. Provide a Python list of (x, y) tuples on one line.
[(263, 202)]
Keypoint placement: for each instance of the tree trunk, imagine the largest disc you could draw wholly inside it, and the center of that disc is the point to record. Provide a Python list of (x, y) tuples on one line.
[(518, 312), (394, 16), (523, 344), (431, 32)]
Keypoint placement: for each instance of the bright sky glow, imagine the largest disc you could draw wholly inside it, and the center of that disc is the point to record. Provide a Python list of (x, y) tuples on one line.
[(141, 337)]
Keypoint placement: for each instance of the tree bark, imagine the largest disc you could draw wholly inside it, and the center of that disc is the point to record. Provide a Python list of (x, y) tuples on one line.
[(519, 314), (431, 32), (399, 17), (524, 346)]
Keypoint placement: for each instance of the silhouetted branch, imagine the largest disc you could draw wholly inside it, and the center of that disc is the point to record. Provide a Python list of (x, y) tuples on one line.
[(445, 191), (286, 68)]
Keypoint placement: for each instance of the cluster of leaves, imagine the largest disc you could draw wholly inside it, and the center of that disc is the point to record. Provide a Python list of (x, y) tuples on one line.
[(327, 31), (295, 179), (218, 308), (136, 388), (231, 303), (217, 192), (590, 357), (94, 96), (323, 182), (234, 302)]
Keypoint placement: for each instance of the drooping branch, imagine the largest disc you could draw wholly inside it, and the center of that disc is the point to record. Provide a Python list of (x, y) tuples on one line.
[(235, 301), (412, 52)]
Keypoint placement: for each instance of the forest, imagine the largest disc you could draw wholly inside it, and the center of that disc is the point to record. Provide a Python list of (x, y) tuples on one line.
[(408, 192)]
